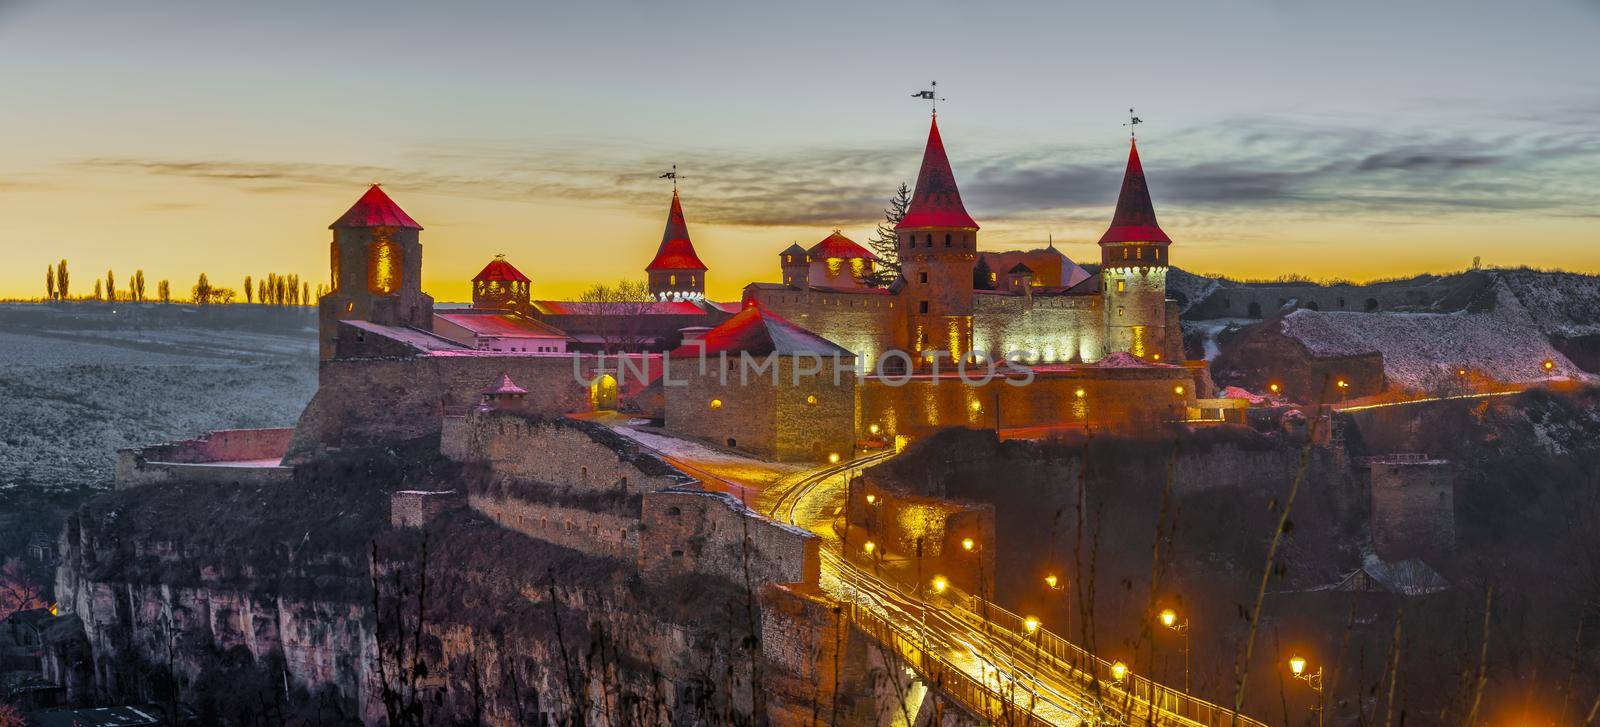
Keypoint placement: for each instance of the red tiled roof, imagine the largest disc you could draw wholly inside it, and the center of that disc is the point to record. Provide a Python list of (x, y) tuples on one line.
[(498, 270), (375, 209), (937, 201), (837, 245), (1135, 219), (641, 308), (502, 325), (676, 251), (759, 332)]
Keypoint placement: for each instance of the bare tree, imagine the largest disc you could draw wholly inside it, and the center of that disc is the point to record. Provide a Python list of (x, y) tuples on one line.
[(18, 591), (201, 293), (618, 311), (62, 278), (164, 291)]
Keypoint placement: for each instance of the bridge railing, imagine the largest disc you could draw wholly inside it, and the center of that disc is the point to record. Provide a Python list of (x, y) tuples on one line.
[(983, 700), (1134, 695)]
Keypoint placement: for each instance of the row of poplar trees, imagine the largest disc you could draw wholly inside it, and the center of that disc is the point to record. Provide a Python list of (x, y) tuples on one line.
[(274, 289)]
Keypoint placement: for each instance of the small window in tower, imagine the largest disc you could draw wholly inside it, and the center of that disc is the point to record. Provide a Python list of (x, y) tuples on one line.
[(1138, 253), (672, 279), (930, 240), (1124, 253), (947, 239), (922, 277), (1121, 311), (922, 307), (1122, 285), (994, 277)]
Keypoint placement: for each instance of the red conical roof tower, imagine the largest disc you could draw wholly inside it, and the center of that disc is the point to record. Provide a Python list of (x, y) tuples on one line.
[(375, 209), (676, 251), (1135, 219), (936, 201)]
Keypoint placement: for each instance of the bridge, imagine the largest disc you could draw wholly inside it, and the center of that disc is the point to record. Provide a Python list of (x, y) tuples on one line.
[(980, 655)]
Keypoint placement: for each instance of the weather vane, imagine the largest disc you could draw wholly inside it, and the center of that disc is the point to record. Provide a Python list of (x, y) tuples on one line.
[(1133, 121), (932, 95), (672, 175)]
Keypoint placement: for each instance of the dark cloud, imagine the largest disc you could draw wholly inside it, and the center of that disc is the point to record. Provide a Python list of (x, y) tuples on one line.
[(1212, 175)]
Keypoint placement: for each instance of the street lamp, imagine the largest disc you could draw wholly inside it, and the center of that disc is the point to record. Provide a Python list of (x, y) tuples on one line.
[(939, 584), (1274, 388), (1053, 582), (1297, 667), (1030, 623), (1549, 365), (870, 546), (967, 544), (1119, 671), (833, 458), (1169, 618), (872, 499)]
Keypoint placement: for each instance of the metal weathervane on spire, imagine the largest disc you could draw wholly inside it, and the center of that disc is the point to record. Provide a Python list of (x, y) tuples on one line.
[(1133, 122), (672, 175), (932, 95)]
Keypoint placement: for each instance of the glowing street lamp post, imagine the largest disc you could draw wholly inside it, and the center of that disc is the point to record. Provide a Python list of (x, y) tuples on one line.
[(1169, 619), (1297, 667)]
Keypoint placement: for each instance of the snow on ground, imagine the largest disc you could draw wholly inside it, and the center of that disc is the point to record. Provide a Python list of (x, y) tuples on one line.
[(1211, 328), (727, 467), (1505, 343), (67, 401), (1561, 303)]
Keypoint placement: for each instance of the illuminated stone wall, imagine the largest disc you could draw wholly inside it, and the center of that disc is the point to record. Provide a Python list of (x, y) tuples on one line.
[(863, 323), (1051, 329), (1135, 310), (1110, 397), (597, 533)]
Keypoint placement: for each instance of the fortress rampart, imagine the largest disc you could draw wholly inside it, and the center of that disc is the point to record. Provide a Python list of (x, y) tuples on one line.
[(227, 455)]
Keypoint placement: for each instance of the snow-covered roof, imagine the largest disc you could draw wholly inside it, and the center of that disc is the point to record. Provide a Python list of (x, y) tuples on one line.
[(1410, 577)]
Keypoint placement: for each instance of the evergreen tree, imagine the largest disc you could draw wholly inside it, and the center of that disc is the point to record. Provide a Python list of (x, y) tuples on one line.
[(49, 282), (138, 285), (249, 291), (305, 294), (96, 290), (164, 291), (62, 278), (980, 275), (111, 287), (885, 243)]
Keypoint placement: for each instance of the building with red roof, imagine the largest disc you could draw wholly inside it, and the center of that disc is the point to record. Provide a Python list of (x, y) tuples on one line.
[(501, 285), (376, 261), (502, 331), (838, 263)]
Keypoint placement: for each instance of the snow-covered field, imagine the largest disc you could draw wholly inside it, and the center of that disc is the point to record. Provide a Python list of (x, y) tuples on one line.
[(69, 399)]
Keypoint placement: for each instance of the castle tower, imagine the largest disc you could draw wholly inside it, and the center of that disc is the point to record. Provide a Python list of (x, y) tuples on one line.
[(1133, 269), (376, 260), (938, 249), (500, 285), (676, 273), (792, 261)]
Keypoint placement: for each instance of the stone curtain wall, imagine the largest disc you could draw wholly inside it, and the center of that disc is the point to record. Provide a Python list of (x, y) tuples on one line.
[(1136, 316), (1236, 301), (810, 431), (367, 402), (1056, 328), (587, 531), (1265, 356), (578, 457), (694, 531), (416, 508)]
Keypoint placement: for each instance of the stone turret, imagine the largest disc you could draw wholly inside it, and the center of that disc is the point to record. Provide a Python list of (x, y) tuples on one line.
[(1133, 269), (676, 273), (938, 248), (376, 265), (793, 261), (500, 285)]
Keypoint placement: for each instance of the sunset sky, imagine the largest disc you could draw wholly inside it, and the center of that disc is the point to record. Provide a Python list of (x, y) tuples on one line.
[(1331, 139)]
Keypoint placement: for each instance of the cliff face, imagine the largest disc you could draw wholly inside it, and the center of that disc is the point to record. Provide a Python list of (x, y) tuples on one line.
[(299, 599)]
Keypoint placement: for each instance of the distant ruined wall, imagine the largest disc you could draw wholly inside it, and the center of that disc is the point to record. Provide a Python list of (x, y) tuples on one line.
[(1413, 509), (1259, 301), (1265, 356), (694, 531)]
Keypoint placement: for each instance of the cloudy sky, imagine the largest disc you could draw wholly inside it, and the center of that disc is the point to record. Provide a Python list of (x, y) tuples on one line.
[(1353, 139)]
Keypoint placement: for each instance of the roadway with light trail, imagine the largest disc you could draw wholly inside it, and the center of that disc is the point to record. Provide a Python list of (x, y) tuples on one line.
[(1007, 662)]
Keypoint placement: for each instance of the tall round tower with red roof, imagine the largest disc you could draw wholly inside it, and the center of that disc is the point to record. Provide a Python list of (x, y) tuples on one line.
[(676, 273), (376, 261), (938, 248), (1133, 269)]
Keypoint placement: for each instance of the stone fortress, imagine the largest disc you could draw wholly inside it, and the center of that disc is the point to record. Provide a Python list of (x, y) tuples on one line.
[(1078, 345)]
